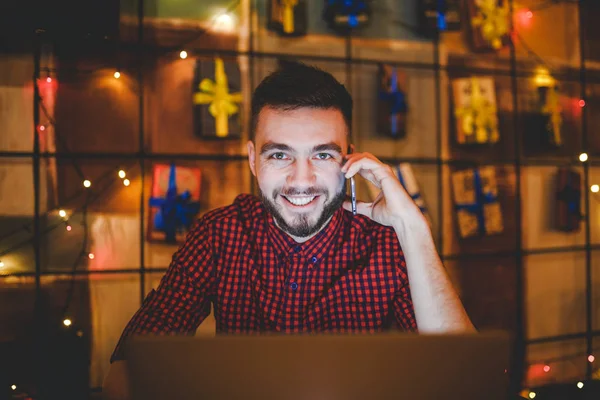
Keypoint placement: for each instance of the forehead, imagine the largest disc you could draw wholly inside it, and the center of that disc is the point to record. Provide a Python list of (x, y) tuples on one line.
[(301, 128)]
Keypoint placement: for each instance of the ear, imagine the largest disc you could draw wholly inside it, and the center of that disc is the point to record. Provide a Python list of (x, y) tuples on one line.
[(351, 148), (251, 156)]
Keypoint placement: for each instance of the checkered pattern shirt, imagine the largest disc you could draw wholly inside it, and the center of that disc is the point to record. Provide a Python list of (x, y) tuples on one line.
[(349, 278)]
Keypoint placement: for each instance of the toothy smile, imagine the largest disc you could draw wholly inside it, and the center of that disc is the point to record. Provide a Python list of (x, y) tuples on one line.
[(300, 200)]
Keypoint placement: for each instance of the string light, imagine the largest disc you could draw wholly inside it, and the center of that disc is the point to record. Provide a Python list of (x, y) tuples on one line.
[(126, 182), (67, 322), (532, 395), (591, 358), (183, 54), (117, 74), (595, 188), (580, 385), (87, 183), (14, 387), (91, 256), (583, 157), (49, 80), (581, 103), (62, 213), (69, 228), (121, 174), (42, 128), (546, 368)]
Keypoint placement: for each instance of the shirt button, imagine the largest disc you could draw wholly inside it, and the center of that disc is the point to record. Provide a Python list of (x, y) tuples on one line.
[(313, 260), (294, 286), (297, 249)]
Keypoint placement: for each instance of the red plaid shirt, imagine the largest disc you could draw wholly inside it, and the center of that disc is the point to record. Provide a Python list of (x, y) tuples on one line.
[(350, 277)]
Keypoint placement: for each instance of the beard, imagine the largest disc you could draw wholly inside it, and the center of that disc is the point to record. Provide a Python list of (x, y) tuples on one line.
[(301, 225)]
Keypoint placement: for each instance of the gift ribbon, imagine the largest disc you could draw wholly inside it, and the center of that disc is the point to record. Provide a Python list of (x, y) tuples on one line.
[(397, 100), (288, 15), (415, 196), (492, 20), (480, 200), (175, 211), (222, 103), (478, 117)]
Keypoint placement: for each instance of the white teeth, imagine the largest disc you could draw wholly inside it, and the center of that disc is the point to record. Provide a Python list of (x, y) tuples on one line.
[(300, 201)]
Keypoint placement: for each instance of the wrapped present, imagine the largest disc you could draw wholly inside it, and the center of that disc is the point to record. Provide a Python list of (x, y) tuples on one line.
[(216, 99), (392, 102), (405, 175), (489, 22), (174, 202), (568, 200), (287, 17), (475, 110), (345, 15), (475, 194), (442, 15)]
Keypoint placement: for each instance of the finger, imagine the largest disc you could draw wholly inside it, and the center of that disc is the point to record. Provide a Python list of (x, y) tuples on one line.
[(373, 171)]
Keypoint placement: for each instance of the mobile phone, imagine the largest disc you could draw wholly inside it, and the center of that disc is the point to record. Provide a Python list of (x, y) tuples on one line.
[(352, 188)]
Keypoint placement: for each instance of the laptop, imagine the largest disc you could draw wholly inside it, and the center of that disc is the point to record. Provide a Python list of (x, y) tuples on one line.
[(320, 367)]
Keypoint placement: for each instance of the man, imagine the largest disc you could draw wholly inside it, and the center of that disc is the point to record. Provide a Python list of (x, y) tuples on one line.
[(297, 260)]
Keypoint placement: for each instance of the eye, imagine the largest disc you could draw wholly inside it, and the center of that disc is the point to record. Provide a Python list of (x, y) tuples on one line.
[(278, 156), (324, 156)]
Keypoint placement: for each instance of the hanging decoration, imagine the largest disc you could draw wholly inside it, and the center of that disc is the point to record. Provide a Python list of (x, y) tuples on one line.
[(489, 22), (405, 175), (475, 110), (568, 200), (174, 202), (216, 110), (551, 112), (287, 17), (475, 194), (392, 106), (346, 15), (442, 15)]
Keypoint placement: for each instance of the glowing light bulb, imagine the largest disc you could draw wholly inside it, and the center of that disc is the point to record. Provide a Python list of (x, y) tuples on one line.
[(13, 387), (546, 368), (87, 183), (591, 358), (42, 128), (529, 14), (183, 54), (581, 103), (126, 182), (1, 265), (49, 80), (117, 74), (583, 157), (69, 228), (62, 213), (67, 322), (595, 188), (224, 23), (91, 256), (532, 395), (580, 385), (121, 174)]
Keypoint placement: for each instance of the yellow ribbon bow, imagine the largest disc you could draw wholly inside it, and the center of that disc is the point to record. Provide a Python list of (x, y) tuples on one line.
[(222, 103), (493, 21), (288, 15), (479, 116)]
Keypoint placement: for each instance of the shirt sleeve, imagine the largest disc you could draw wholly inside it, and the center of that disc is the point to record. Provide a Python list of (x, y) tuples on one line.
[(182, 300)]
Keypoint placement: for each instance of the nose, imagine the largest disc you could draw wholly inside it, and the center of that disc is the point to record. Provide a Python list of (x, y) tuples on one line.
[(302, 174)]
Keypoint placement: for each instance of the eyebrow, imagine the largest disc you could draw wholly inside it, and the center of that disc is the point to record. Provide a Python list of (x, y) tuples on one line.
[(270, 146)]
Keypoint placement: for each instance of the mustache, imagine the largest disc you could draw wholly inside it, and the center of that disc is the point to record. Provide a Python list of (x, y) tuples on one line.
[(312, 191)]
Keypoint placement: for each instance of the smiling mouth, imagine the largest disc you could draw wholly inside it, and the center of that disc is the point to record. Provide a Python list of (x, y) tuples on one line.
[(300, 201)]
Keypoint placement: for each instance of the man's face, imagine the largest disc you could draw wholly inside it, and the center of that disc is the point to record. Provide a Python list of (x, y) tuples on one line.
[(297, 158)]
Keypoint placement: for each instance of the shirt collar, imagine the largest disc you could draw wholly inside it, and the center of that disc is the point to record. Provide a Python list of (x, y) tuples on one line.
[(314, 248)]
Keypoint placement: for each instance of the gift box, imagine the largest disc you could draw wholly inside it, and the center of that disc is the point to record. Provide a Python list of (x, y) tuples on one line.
[(489, 23), (217, 100), (345, 15), (442, 15), (405, 175), (475, 195), (475, 114), (568, 200), (287, 17), (392, 106), (174, 202)]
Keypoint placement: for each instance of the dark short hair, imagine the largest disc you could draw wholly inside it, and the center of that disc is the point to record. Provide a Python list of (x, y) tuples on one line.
[(295, 85)]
